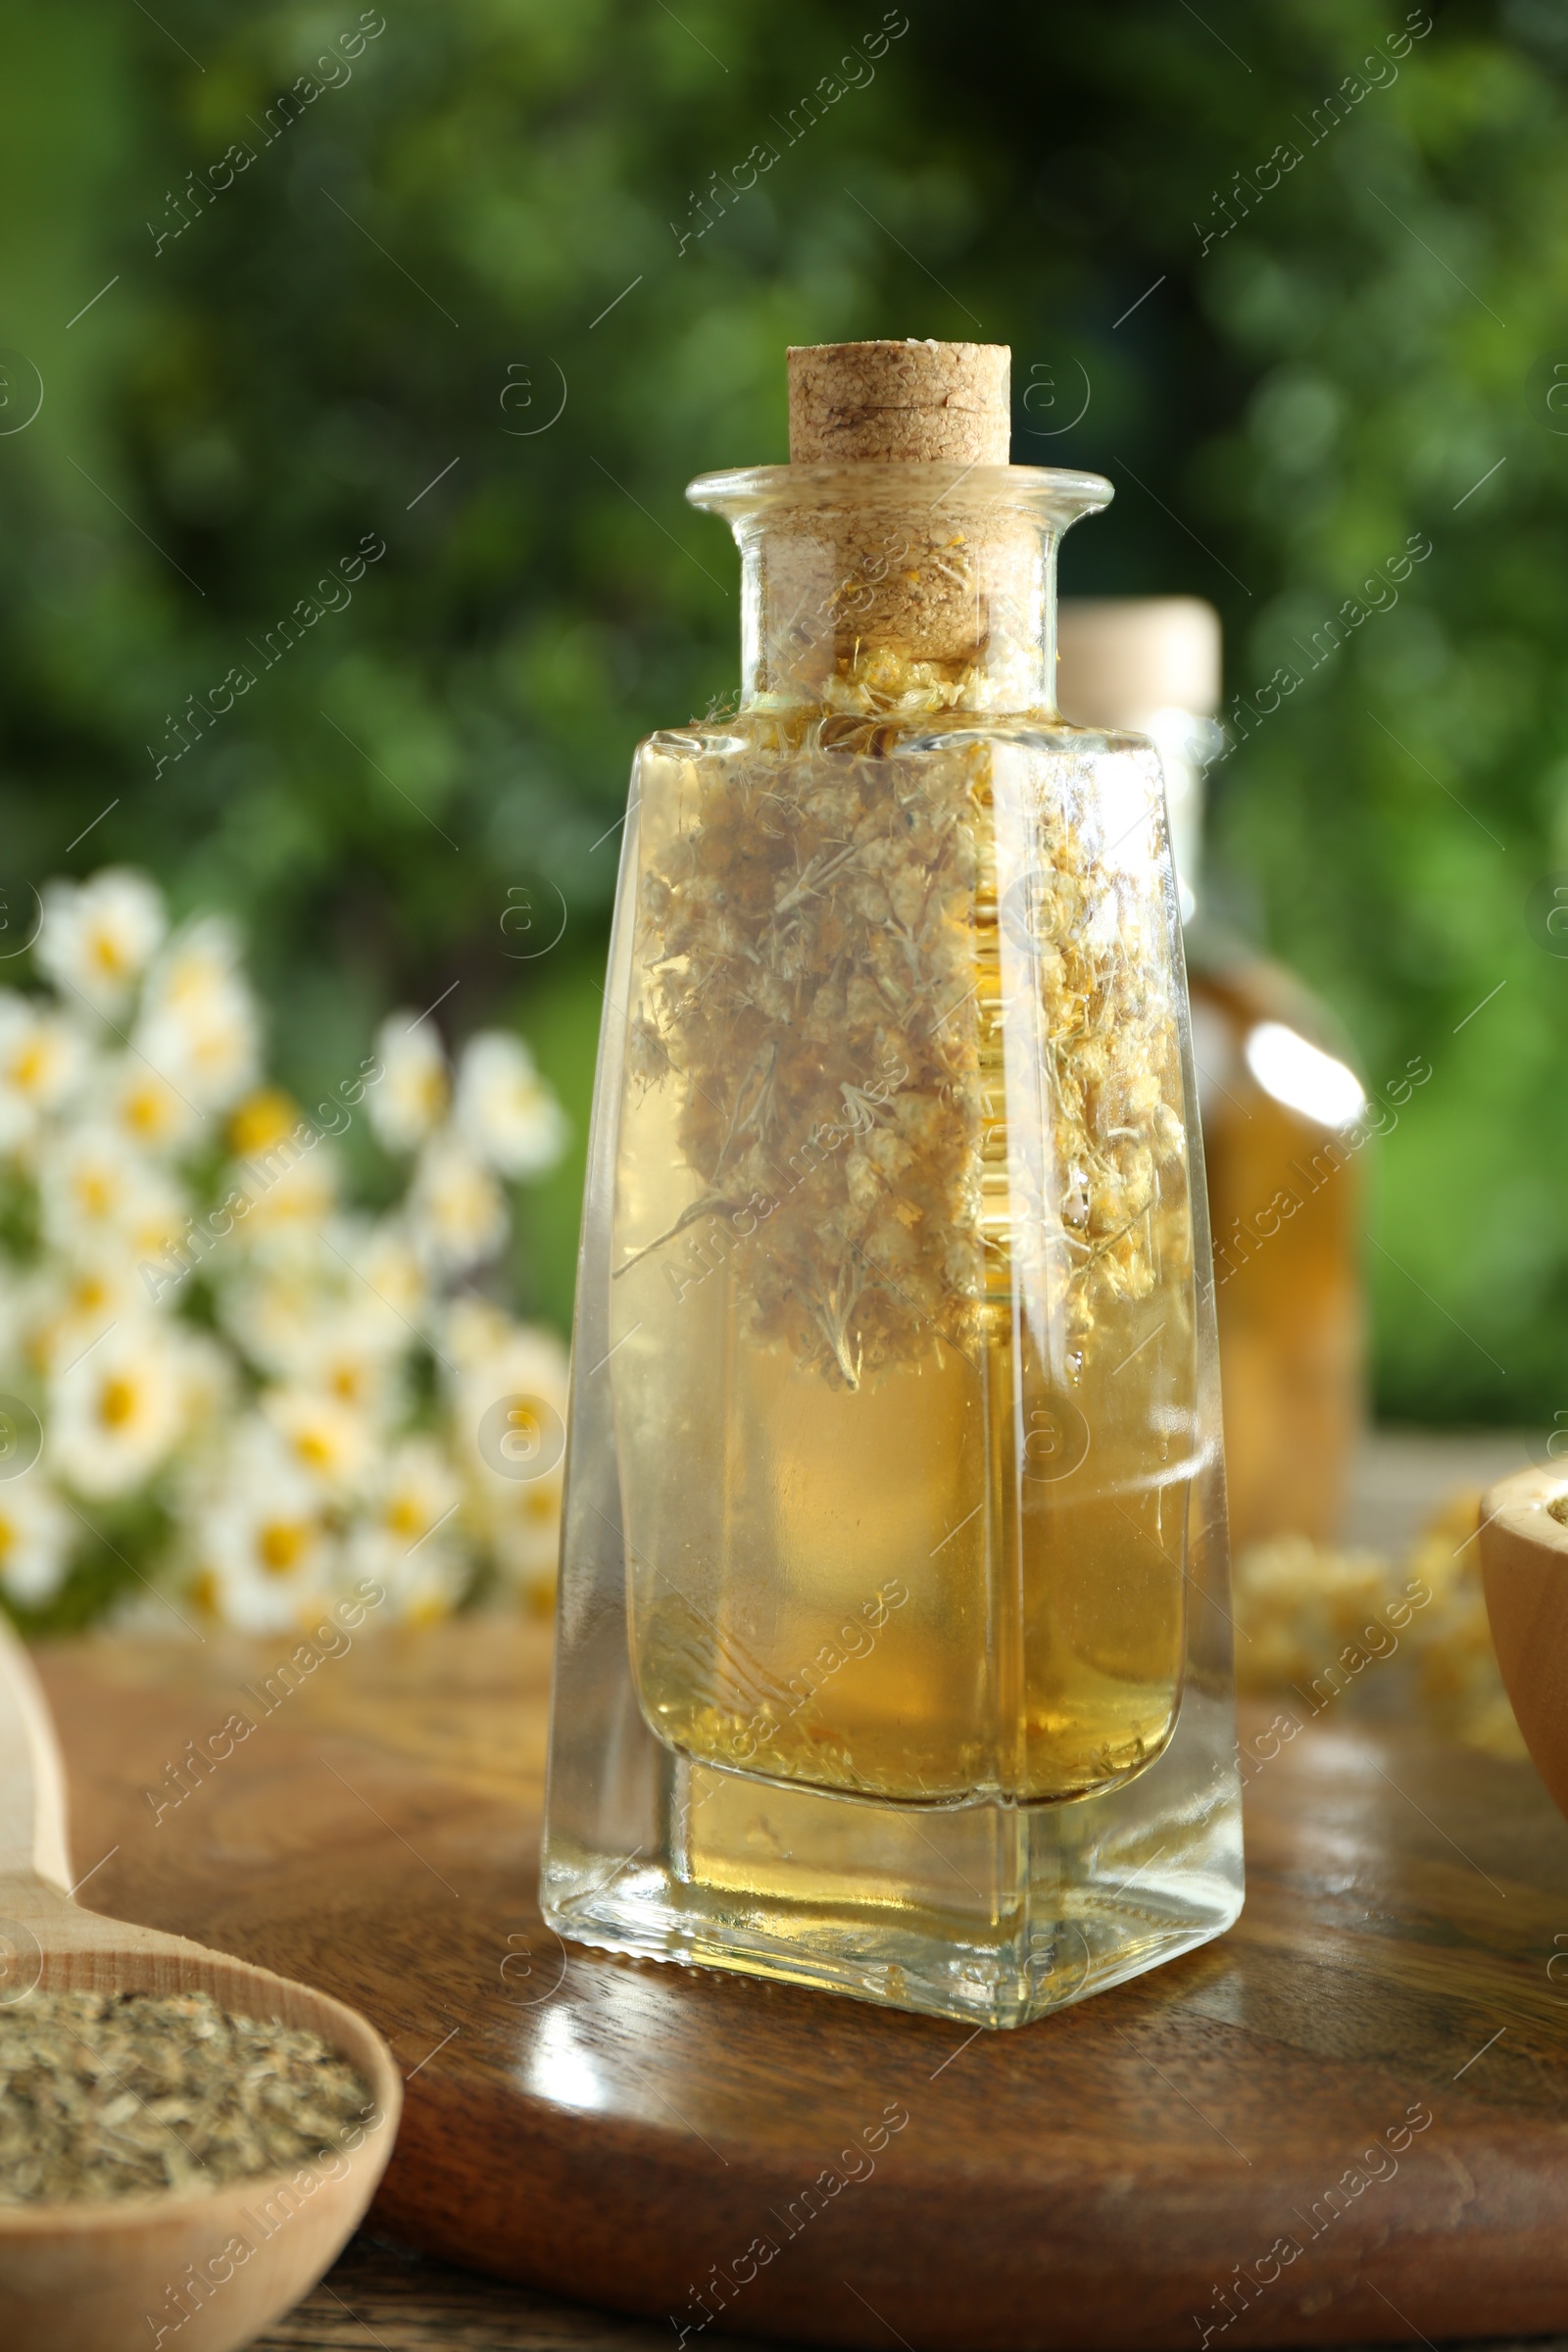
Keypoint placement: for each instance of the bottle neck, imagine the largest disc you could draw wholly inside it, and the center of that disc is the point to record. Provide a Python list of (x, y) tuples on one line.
[(896, 611), (898, 591)]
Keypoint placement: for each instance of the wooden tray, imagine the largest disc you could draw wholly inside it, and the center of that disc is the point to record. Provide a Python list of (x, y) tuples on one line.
[(1229, 2152)]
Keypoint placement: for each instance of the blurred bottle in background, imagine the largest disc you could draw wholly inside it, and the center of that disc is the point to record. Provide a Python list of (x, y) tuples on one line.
[(1275, 1091)]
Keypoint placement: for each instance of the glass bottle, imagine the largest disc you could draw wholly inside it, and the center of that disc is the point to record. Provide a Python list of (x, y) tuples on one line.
[(893, 1648), (1285, 1199)]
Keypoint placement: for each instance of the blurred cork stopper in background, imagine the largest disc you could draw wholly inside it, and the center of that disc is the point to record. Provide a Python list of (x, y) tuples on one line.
[(908, 403)]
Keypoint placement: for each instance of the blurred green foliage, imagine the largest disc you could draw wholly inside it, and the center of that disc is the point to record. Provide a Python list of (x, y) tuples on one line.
[(367, 330)]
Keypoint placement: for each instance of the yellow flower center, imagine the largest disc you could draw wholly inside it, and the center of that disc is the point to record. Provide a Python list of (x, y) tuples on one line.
[(117, 1402), (280, 1544), (263, 1119)]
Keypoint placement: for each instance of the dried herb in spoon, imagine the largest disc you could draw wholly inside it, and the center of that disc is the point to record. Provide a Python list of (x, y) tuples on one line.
[(121, 2095)]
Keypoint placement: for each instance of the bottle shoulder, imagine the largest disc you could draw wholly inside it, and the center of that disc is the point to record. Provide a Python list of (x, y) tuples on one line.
[(796, 731)]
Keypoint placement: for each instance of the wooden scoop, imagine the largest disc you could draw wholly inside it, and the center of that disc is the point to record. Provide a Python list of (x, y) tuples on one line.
[(1523, 1569), (191, 2273)]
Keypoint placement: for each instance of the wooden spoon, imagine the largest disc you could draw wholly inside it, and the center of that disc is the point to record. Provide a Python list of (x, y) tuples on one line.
[(1524, 1568), (200, 2273)]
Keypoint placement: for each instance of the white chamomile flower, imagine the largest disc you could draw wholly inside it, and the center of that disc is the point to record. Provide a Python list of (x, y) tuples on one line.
[(118, 1412), (387, 1270), (503, 1110), (138, 1101), (64, 1308), (326, 1440), (290, 1188), (406, 1541), (513, 1493), (457, 1211), (265, 1557), (97, 938), (207, 1382), (525, 1542), (353, 1356), (416, 1491), (421, 1588), (198, 1022), (42, 1057), (473, 1333), (269, 1301), (409, 1099), (332, 1306), (290, 1317), (497, 1357), (96, 1198), (36, 1533)]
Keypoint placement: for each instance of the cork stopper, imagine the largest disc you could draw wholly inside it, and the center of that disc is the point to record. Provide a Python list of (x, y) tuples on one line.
[(900, 402), (1123, 658)]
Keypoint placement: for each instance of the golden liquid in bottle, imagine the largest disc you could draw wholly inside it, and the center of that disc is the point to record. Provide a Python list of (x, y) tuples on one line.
[(1287, 1208), (960, 1577)]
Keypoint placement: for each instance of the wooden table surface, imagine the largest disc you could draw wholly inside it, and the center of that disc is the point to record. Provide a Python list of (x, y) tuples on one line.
[(431, 1700), (380, 2295)]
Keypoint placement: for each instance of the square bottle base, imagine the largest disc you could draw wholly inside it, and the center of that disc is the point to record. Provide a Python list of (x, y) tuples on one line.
[(987, 1916)]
